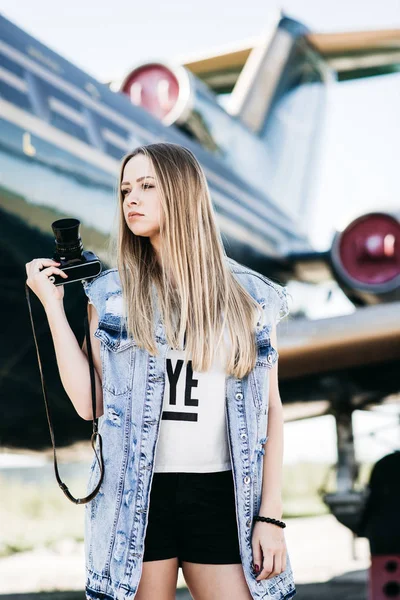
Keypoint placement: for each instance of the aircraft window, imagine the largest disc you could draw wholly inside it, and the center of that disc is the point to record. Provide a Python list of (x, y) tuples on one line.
[(8, 65), (53, 92), (104, 123), (13, 86), (65, 112), (117, 153), (68, 126), (16, 95), (116, 139)]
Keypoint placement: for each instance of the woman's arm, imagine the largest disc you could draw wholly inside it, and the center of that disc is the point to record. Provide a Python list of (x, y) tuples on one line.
[(268, 540), (72, 360), (271, 499)]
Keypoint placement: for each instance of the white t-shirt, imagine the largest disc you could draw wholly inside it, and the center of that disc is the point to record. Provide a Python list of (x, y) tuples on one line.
[(193, 436)]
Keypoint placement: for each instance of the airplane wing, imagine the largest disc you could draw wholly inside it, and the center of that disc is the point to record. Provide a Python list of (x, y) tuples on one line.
[(220, 68), (309, 347), (356, 54), (351, 54), (350, 359)]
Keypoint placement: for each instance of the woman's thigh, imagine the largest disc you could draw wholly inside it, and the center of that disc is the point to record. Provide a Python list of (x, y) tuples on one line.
[(158, 580), (206, 520), (215, 582)]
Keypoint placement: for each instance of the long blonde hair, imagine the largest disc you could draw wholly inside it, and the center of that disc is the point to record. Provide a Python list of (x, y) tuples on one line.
[(207, 298)]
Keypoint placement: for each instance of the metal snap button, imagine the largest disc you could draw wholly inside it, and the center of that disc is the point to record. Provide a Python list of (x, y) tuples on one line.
[(269, 358), (246, 479), (243, 436), (239, 396), (248, 522)]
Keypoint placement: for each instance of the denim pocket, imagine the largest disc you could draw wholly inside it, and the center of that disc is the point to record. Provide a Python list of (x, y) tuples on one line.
[(117, 355), (266, 353), (259, 376), (113, 334)]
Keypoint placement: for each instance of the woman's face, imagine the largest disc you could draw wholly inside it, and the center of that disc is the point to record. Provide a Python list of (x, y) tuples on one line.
[(140, 195)]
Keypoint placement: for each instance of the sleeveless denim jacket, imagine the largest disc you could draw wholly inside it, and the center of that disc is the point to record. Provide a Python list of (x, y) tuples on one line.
[(133, 388)]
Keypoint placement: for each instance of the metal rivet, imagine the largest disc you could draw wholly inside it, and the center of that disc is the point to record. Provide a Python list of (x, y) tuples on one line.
[(269, 357), (243, 436), (239, 396), (246, 479), (248, 522)]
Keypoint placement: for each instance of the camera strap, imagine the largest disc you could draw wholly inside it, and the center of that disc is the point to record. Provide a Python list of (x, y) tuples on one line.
[(95, 433)]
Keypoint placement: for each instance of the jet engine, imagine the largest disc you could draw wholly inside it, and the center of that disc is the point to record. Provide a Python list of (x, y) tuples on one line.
[(365, 258)]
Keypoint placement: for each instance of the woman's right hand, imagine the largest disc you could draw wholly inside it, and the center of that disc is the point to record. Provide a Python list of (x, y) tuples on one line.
[(38, 280)]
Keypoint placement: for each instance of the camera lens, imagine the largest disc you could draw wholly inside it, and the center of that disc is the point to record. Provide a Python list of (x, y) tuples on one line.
[(67, 238)]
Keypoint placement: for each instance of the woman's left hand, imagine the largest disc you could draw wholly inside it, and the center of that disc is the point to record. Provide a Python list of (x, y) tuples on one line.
[(269, 550)]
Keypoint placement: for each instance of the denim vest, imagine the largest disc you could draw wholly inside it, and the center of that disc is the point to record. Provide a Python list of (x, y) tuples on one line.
[(133, 388)]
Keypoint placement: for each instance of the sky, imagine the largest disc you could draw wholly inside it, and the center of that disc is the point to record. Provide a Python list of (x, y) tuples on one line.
[(107, 38), (359, 158)]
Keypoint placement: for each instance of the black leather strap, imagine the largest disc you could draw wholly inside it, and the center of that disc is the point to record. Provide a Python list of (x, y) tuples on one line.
[(95, 433)]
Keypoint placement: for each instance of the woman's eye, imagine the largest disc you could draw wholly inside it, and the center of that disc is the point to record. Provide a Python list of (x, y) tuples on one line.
[(145, 185)]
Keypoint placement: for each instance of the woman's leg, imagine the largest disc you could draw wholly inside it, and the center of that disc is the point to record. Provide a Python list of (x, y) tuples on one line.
[(160, 559), (215, 582), (158, 580), (208, 539)]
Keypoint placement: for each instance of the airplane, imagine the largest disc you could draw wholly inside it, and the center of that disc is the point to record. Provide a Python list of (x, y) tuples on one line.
[(62, 135)]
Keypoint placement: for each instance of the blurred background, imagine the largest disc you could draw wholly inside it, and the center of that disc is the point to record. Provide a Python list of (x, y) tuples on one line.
[(292, 110)]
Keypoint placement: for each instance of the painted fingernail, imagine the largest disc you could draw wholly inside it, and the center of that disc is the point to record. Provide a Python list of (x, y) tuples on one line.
[(256, 568)]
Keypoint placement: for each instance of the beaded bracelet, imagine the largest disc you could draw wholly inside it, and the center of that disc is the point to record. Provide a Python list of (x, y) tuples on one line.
[(269, 520)]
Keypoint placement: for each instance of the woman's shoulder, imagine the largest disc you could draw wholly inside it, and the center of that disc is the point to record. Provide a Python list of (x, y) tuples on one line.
[(98, 289), (271, 295), (251, 275), (103, 278)]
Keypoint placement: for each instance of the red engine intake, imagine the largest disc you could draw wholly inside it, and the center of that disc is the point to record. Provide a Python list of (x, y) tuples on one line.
[(366, 257), (162, 90)]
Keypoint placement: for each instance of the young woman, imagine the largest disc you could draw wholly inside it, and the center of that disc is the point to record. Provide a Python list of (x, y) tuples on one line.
[(185, 349)]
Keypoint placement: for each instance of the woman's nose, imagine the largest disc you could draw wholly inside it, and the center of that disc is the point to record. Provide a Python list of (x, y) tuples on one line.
[(131, 198)]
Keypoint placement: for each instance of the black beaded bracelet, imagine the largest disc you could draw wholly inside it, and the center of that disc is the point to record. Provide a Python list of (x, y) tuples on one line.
[(269, 520)]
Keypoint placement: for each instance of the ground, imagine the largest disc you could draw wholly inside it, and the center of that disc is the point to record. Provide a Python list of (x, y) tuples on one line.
[(321, 552)]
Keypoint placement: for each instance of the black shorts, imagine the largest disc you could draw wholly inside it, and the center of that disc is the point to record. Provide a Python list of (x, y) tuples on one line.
[(192, 517)]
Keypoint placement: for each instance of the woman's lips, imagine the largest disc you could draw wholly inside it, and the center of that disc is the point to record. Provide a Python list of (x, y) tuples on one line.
[(134, 216)]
